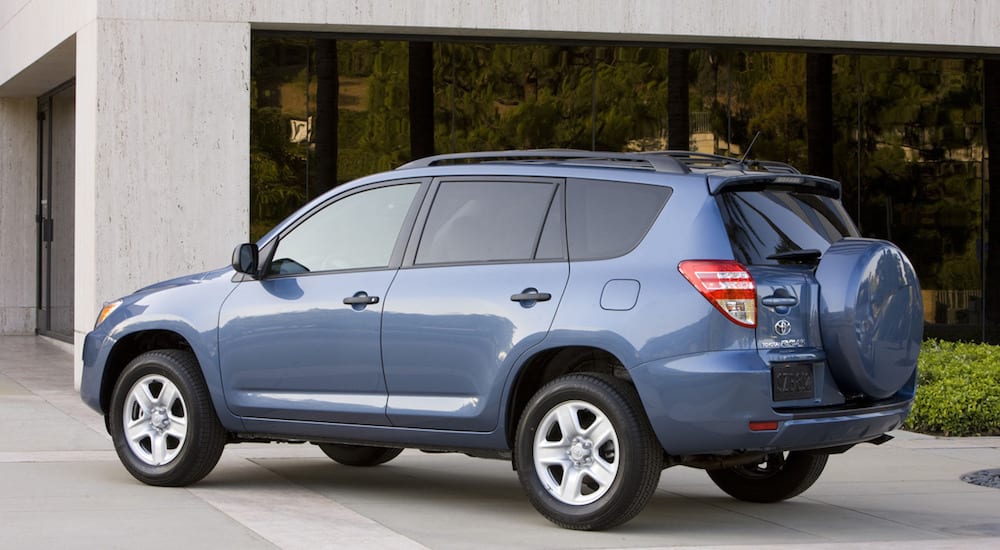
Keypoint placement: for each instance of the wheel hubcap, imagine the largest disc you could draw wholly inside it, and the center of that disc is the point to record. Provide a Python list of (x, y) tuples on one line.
[(155, 420), (576, 452)]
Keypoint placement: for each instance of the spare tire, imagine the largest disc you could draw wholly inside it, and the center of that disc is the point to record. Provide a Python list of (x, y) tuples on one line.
[(871, 316)]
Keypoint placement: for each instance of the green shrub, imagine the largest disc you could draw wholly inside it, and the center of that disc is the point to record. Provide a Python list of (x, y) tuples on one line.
[(958, 390)]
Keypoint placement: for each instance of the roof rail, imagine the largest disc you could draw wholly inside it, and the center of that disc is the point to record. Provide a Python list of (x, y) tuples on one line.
[(657, 163), (693, 159)]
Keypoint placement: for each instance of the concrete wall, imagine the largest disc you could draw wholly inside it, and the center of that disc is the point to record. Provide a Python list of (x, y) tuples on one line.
[(933, 25), (163, 153), (18, 188), (29, 31)]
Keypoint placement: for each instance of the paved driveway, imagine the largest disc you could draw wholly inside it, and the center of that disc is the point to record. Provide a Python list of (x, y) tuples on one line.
[(61, 486)]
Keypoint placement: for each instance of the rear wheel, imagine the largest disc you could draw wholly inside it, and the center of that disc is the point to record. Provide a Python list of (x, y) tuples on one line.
[(162, 420), (359, 455), (778, 477), (586, 455)]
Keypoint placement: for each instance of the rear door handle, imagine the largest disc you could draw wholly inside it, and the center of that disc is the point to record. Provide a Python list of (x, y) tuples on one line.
[(531, 295), (779, 301), (361, 298)]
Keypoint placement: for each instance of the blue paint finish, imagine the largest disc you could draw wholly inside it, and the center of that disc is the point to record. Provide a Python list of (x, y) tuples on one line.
[(186, 306), (703, 403), (871, 315), (433, 363), (451, 334), (291, 349), (620, 294)]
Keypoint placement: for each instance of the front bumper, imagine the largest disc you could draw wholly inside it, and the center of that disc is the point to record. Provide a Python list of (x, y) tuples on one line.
[(704, 403), (96, 347)]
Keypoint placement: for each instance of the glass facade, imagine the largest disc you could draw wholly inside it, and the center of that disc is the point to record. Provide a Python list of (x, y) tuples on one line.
[(903, 134)]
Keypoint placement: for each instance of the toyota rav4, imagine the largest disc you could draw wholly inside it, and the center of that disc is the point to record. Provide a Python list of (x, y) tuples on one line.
[(592, 317)]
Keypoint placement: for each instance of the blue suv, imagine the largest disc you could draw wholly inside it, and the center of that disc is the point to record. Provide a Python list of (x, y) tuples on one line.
[(592, 317)]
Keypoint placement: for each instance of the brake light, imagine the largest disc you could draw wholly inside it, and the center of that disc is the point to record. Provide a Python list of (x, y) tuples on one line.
[(727, 285)]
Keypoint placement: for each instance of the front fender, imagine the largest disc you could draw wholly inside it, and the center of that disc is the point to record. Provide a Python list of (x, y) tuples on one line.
[(189, 311)]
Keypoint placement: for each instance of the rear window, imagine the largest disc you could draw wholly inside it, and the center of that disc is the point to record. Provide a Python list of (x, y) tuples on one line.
[(606, 219), (770, 222)]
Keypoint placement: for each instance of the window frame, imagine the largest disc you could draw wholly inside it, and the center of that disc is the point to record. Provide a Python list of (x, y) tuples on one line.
[(558, 200), (402, 238)]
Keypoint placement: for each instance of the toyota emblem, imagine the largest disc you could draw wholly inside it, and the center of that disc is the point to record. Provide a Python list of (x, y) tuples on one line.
[(782, 327)]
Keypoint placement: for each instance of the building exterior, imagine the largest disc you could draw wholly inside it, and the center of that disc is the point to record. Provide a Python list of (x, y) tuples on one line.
[(125, 125)]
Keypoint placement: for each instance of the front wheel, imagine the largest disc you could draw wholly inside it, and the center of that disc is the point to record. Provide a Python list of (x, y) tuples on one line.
[(162, 422), (585, 453), (779, 476)]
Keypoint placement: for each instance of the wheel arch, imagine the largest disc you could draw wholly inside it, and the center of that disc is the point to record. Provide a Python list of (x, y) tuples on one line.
[(132, 345), (549, 364)]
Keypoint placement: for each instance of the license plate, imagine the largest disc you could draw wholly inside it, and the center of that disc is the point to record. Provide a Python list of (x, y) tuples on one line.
[(790, 382)]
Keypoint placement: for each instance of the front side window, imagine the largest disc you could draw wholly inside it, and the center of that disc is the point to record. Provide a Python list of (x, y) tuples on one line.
[(493, 221), (356, 232)]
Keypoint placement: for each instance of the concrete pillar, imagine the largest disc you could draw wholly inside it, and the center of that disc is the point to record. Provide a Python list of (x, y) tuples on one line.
[(18, 194), (162, 159)]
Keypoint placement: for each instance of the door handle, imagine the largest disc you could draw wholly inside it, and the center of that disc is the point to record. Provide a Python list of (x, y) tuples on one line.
[(779, 301), (360, 298), (531, 295)]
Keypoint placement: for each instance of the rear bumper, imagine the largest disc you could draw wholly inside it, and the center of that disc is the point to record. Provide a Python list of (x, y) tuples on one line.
[(704, 403)]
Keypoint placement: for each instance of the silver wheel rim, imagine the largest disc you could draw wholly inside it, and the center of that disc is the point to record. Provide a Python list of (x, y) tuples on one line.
[(576, 453), (155, 420)]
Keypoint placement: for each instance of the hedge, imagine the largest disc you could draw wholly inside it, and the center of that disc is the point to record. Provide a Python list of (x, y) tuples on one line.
[(958, 390)]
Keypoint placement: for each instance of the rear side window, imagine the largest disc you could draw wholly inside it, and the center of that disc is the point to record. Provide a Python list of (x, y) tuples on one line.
[(606, 219), (769, 222), (485, 221)]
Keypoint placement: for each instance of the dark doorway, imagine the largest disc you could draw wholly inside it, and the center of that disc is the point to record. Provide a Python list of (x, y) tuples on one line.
[(55, 217)]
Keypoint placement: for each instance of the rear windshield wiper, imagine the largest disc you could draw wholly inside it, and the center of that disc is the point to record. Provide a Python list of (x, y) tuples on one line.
[(808, 255)]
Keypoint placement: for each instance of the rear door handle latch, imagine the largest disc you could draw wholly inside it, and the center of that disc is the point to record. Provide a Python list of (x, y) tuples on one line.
[(531, 295)]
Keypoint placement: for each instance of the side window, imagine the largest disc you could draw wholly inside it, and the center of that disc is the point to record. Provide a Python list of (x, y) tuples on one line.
[(491, 221), (607, 219), (356, 232)]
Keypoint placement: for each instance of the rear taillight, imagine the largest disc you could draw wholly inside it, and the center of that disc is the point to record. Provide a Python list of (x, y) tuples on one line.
[(727, 285)]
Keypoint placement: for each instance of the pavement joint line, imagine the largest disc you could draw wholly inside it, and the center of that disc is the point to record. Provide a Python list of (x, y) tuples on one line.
[(15, 457), (293, 517)]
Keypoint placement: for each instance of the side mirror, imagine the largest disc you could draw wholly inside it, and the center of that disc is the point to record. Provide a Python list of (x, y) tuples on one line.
[(246, 259)]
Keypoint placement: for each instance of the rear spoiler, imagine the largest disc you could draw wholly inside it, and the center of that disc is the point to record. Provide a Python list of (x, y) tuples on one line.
[(787, 182)]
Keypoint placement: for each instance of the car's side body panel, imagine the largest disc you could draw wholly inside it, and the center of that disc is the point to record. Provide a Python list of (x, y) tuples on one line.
[(291, 349), (433, 364)]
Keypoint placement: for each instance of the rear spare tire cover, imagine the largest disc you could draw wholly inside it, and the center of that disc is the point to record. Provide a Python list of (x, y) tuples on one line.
[(871, 316)]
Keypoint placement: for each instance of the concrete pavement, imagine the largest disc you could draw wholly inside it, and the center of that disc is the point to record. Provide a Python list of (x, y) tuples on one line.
[(61, 486)]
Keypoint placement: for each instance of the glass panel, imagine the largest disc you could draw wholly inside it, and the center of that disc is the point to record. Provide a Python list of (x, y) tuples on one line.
[(763, 223), (356, 232), (906, 140), (608, 219), (484, 222)]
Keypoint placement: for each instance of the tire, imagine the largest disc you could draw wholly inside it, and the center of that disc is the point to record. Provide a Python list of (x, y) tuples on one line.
[(585, 453), (870, 315), (359, 455), (777, 478), (162, 421)]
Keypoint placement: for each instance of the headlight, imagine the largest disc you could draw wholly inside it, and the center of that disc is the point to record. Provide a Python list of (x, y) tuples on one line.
[(106, 310)]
